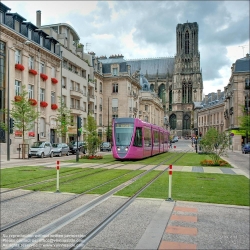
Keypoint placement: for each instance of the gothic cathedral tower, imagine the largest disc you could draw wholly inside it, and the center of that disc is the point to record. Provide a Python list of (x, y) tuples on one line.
[(187, 85)]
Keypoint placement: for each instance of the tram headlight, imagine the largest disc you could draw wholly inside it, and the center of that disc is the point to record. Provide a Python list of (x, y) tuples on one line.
[(118, 149), (126, 149)]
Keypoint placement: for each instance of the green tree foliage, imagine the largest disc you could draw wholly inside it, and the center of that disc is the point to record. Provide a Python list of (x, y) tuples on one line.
[(244, 121), (91, 138), (63, 119), (215, 144), (23, 113)]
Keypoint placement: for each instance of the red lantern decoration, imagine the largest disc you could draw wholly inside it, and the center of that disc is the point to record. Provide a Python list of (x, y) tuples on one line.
[(19, 66), (43, 76), (43, 104), (54, 80), (32, 71), (54, 106), (33, 102), (18, 98)]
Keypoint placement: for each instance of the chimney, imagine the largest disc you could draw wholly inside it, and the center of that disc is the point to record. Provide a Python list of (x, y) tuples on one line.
[(247, 55), (206, 98), (218, 94), (38, 18)]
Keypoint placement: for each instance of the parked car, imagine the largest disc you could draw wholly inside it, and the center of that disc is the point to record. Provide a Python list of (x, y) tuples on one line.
[(74, 147), (175, 139), (105, 146), (246, 148), (41, 149), (60, 149)]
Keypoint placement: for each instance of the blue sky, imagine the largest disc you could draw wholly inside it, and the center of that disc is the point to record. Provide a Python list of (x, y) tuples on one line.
[(147, 29)]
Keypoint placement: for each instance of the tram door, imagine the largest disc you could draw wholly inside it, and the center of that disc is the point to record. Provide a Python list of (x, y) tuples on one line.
[(52, 136)]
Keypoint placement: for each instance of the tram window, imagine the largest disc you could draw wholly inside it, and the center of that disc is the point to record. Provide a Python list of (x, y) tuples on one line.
[(156, 138), (147, 137), (138, 137)]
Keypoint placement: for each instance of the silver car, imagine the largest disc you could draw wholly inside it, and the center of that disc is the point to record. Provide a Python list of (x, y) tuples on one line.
[(60, 149), (41, 149)]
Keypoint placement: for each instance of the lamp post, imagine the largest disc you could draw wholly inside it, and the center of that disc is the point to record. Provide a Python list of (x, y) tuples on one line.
[(108, 120)]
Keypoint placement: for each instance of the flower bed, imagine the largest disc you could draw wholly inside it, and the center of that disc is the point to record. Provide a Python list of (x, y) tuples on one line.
[(19, 66), (18, 98), (43, 76), (43, 104), (54, 106), (54, 80), (92, 157), (32, 102), (32, 71), (212, 163)]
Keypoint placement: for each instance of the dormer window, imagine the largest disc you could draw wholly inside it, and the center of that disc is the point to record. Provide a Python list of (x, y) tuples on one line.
[(1, 17), (115, 71), (30, 34), (17, 26), (41, 40)]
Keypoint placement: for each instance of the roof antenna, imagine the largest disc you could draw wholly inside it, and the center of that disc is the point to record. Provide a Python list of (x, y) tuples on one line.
[(243, 46)]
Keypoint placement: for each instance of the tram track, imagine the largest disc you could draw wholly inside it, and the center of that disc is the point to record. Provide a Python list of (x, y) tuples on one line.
[(85, 208)]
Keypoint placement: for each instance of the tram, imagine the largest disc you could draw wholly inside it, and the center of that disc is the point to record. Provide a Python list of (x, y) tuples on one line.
[(136, 139)]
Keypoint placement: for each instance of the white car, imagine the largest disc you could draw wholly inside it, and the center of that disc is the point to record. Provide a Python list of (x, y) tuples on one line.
[(41, 149)]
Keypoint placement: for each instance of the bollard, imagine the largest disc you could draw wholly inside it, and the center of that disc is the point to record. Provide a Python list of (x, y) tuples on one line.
[(57, 179), (170, 184)]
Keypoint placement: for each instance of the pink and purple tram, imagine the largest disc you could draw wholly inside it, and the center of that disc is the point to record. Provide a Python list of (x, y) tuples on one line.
[(136, 139)]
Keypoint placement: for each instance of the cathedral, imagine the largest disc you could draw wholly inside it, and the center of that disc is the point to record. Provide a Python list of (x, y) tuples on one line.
[(177, 81)]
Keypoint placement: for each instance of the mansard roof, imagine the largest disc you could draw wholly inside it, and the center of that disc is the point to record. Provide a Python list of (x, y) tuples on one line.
[(3, 7), (152, 66), (213, 99), (242, 65)]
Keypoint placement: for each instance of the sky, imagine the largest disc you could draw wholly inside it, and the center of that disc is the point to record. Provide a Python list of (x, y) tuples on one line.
[(147, 29)]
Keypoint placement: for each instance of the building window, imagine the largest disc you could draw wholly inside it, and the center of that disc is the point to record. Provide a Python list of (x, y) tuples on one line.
[(114, 105), (64, 100), (186, 42), (17, 26), (42, 95), (146, 107), (31, 62), (17, 87), (84, 73), (42, 127), (53, 97), (30, 34), (100, 87), (41, 40), (17, 56), (186, 122), (247, 83), (42, 67), (53, 72), (115, 87), (172, 121), (1, 17), (31, 91), (114, 116), (115, 71), (64, 82)]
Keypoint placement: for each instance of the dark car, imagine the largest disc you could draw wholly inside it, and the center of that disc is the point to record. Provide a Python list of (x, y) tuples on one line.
[(246, 148), (73, 147), (105, 146)]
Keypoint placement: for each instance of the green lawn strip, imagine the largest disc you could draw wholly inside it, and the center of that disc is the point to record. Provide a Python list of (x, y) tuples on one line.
[(88, 182), (48, 185), (133, 188), (115, 183), (201, 187), (189, 159), (14, 177), (193, 159)]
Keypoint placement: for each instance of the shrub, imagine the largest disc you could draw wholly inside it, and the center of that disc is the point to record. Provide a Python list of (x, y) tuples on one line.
[(212, 163)]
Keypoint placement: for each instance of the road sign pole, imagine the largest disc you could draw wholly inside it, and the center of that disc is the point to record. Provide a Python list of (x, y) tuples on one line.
[(57, 175), (170, 184)]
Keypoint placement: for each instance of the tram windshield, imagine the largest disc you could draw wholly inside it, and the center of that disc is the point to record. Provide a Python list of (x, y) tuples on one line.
[(123, 133)]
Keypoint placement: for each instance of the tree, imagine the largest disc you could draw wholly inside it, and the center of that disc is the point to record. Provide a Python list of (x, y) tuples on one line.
[(92, 140), (23, 113), (63, 119), (244, 122), (215, 144)]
